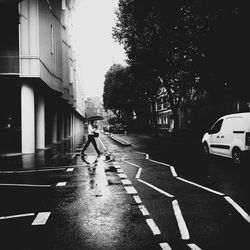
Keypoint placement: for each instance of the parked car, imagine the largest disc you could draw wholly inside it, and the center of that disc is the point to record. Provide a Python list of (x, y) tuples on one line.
[(229, 137)]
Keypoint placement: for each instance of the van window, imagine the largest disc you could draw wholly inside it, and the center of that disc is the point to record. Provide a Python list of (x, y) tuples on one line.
[(216, 127), (233, 124)]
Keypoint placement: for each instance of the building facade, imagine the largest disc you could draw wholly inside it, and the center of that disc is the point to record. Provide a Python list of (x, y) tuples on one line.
[(40, 102), (161, 113)]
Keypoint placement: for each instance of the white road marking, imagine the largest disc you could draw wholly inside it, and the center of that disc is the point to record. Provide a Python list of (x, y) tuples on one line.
[(143, 210), (147, 155), (132, 164), (153, 226), (165, 246), (78, 165), (22, 185), (41, 218), (162, 163), (119, 170), (130, 190), (193, 246), (60, 184), (70, 169), (180, 221), (32, 171), (238, 208), (200, 186), (137, 199), (126, 182), (122, 176), (172, 169), (156, 188), (104, 147), (138, 173), (16, 216)]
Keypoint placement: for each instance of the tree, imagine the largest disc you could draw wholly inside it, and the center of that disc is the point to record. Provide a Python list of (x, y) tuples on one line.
[(118, 91), (167, 39)]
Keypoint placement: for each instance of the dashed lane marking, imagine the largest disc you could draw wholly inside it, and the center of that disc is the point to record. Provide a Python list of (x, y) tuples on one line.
[(155, 230), (165, 246), (16, 216), (61, 184), (143, 210), (130, 190), (122, 176), (126, 182), (193, 246), (41, 218), (180, 221), (156, 188), (137, 199), (119, 170)]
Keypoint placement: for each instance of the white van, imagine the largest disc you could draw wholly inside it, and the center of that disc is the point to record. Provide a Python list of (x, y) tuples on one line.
[(229, 137)]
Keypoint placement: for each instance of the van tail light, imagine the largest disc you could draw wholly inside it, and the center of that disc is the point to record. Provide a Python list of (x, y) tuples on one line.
[(247, 139)]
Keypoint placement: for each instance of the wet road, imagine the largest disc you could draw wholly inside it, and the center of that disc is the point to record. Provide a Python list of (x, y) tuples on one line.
[(210, 196), (156, 194)]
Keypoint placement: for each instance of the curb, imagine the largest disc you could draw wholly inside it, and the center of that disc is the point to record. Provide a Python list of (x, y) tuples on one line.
[(120, 141)]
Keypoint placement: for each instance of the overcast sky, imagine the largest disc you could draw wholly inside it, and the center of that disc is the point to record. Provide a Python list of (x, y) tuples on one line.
[(96, 49)]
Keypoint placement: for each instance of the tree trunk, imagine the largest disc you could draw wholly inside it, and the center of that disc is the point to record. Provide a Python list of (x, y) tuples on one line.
[(176, 121)]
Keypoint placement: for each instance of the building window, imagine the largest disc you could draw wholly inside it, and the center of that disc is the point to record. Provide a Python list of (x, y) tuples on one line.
[(159, 105)]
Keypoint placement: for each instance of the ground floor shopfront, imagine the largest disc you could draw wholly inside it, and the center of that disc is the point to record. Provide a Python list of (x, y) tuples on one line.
[(33, 116)]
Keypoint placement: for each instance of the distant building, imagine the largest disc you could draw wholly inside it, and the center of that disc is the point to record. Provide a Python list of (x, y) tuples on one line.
[(40, 100), (161, 114), (94, 106)]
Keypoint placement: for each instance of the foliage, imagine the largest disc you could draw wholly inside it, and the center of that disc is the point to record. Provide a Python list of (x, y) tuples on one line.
[(118, 91), (168, 41)]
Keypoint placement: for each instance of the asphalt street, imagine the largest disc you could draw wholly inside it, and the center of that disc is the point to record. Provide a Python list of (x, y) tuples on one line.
[(142, 193)]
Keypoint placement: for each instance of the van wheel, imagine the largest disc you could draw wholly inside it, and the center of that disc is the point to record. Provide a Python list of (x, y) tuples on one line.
[(236, 156), (205, 149)]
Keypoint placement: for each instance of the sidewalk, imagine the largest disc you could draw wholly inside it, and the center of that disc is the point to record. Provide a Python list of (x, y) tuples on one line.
[(55, 155)]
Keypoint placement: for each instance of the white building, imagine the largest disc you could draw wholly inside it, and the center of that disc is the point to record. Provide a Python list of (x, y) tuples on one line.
[(41, 101)]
